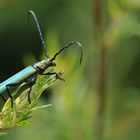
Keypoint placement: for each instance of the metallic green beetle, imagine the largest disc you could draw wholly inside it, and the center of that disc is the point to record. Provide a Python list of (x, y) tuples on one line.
[(29, 74)]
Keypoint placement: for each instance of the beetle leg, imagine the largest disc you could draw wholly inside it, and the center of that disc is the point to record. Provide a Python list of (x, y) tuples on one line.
[(54, 73), (3, 98), (27, 83), (30, 84), (8, 90)]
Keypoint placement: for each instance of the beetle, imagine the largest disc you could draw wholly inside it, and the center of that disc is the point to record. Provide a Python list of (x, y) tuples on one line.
[(30, 73)]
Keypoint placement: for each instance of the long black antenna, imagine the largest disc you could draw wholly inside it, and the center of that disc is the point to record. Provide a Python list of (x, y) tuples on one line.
[(39, 31), (72, 43)]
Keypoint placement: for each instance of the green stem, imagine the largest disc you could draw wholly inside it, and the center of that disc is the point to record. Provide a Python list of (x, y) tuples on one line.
[(99, 26)]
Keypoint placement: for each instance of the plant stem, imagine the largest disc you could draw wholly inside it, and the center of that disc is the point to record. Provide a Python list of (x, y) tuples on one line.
[(102, 93), (99, 26)]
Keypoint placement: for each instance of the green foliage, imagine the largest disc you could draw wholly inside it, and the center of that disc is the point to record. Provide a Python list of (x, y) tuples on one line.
[(21, 111)]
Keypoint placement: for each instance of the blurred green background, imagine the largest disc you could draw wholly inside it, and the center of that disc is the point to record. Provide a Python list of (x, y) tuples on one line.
[(100, 99)]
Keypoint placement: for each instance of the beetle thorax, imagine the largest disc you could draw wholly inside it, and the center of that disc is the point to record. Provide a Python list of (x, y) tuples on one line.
[(44, 64)]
